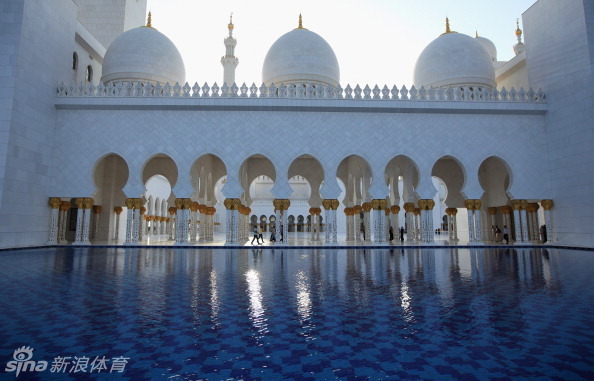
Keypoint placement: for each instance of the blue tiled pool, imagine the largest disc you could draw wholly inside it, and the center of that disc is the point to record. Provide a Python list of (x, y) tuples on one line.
[(217, 314)]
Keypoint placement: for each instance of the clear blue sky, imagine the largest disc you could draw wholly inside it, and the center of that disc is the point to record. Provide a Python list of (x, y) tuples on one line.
[(375, 41)]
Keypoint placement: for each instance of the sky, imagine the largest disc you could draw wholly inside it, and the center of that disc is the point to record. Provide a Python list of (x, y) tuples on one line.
[(375, 41)]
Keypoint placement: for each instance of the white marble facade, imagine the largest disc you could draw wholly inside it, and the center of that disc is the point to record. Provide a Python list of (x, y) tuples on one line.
[(354, 144)]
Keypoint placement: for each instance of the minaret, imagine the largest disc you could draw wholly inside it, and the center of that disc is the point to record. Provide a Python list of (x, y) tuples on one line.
[(229, 61), (519, 47)]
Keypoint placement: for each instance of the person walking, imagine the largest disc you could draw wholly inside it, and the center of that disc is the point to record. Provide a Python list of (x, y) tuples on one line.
[(255, 235), (391, 234), (402, 234), (260, 236), (506, 234)]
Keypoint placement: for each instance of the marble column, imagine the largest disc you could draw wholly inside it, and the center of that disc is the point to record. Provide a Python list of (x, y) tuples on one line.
[(524, 220), (426, 206), (54, 203), (328, 231), (136, 218), (492, 212), (142, 224), (357, 222), (379, 228), (547, 206), (129, 220), (179, 221), (232, 206), (97, 209), (210, 212), (116, 235), (409, 207), (395, 209), (79, 221), (366, 221), (417, 224), (278, 219), (474, 220), (88, 207), (171, 229), (64, 208), (348, 212), (334, 207), (193, 221), (281, 206)]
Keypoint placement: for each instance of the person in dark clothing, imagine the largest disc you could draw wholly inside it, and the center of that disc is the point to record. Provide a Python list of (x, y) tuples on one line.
[(391, 234), (256, 236), (402, 234), (506, 234)]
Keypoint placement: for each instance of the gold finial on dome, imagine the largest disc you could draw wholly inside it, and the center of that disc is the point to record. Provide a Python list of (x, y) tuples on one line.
[(476, 34), (300, 22), (448, 27), (518, 30), (149, 20), (230, 26)]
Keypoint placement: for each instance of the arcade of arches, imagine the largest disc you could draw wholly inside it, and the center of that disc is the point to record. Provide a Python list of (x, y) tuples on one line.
[(160, 216)]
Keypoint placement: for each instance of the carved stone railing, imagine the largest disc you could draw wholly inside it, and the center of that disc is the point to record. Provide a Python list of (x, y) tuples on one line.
[(301, 91)]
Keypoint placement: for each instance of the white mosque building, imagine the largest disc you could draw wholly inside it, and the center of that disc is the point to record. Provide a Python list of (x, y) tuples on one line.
[(103, 140)]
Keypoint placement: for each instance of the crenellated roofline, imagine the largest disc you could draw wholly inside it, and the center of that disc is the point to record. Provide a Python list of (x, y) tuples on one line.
[(301, 91)]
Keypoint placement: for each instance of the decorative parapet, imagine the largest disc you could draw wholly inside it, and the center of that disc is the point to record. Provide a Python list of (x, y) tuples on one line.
[(301, 91)]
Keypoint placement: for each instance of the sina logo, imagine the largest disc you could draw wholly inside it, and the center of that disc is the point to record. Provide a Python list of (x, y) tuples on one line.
[(23, 363)]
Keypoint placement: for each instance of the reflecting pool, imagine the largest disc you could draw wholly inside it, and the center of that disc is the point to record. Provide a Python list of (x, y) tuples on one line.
[(217, 314)]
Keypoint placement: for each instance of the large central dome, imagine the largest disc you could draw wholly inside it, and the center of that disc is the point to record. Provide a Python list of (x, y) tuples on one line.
[(301, 56)]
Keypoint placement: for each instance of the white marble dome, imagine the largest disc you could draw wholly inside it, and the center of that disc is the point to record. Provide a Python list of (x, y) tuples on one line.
[(454, 59), (489, 46), (301, 56), (143, 54)]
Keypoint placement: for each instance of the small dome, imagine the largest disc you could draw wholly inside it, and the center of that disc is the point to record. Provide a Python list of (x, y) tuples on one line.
[(143, 54), (454, 59), (489, 47), (301, 56)]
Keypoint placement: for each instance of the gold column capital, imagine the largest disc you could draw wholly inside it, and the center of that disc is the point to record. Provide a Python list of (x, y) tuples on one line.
[(186, 203), (138, 203), (395, 209), (54, 202), (80, 202), (492, 210), (547, 204), (129, 203), (409, 207), (97, 209), (366, 207), (473, 204)]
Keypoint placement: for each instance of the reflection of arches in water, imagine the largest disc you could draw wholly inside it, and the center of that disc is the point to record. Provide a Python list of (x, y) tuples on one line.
[(263, 223), (291, 223), (272, 220), (300, 220)]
